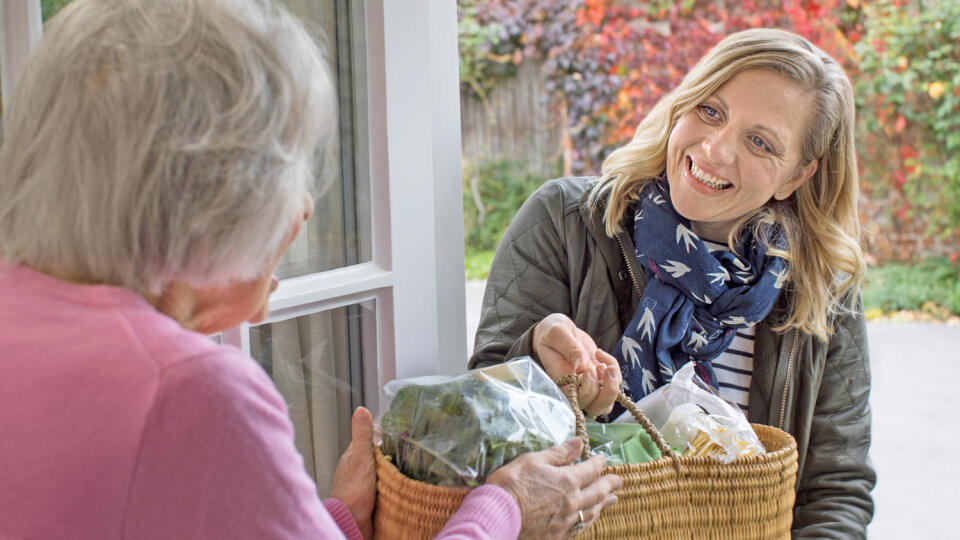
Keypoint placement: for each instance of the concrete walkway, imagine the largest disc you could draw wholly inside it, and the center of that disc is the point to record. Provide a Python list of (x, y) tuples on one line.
[(916, 428)]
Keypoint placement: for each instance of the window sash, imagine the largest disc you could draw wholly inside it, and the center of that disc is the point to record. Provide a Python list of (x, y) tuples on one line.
[(21, 27), (407, 139)]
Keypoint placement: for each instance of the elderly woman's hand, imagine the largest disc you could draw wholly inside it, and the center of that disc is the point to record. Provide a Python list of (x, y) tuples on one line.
[(552, 494), (355, 480), (564, 349)]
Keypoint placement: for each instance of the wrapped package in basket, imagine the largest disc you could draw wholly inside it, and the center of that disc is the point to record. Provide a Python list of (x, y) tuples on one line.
[(695, 419), (455, 431)]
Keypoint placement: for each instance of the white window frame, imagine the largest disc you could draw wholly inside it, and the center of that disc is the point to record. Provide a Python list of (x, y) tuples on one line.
[(408, 148), (22, 27)]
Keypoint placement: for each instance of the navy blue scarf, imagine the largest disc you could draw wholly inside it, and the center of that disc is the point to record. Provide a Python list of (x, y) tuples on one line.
[(694, 300)]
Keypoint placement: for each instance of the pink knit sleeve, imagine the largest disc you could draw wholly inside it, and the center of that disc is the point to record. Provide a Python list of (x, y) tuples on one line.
[(487, 512), (341, 514)]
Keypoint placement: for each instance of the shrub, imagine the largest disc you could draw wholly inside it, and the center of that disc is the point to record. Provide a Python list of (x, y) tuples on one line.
[(932, 282), (908, 97), (493, 191)]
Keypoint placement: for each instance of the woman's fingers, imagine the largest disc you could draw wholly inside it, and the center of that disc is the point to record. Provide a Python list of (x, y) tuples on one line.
[(591, 514), (552, 495), (355, 478), (611, 364), (564, 454), (586, 473), (604, 399), (609, 388), (555, 337), (589, 382), (564, 349), (595, 494), (361, 428), (600, 492), (586, 344), (589, 389)]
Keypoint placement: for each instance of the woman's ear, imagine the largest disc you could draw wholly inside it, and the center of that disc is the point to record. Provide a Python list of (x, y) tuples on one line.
[(177, 301), (803, 174)]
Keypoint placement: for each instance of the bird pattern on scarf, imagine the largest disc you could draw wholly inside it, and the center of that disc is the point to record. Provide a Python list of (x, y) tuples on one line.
[(694, 300)]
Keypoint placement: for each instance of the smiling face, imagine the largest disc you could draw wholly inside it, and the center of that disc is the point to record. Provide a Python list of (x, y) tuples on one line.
[(737, 149)]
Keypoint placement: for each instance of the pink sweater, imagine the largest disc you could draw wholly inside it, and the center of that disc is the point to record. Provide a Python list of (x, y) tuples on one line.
[(115, 422)]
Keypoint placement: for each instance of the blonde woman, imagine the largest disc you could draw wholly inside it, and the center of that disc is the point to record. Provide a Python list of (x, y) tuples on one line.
[(725, 233), (156, 165)]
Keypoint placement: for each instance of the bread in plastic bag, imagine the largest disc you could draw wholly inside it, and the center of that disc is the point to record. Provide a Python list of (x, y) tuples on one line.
[(455, 431), (693, 415), (723, 438)]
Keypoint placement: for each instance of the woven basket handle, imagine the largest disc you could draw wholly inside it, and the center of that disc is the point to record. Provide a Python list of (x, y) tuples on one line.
[(571, 383)]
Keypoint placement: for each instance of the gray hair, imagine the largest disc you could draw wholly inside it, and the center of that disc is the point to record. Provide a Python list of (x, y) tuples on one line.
[(159, 140)]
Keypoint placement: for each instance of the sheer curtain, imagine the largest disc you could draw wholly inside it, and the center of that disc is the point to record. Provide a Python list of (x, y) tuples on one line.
[(314, 359), (307, 359)]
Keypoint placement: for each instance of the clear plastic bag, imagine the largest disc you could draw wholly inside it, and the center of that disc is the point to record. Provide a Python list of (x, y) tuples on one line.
[(455, 431), (621, 443), (723, 438), (692, 415)]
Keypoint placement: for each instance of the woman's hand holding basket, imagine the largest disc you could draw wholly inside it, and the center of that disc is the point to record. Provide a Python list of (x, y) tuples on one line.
[(564, 349), (557, 499)]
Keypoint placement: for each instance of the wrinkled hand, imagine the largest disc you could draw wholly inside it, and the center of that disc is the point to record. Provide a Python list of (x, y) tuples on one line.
[(355, 480), (564, 349), (550, 493)]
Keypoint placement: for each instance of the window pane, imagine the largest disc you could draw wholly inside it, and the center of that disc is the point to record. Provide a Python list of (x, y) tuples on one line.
[(49, 8), (316, 362), (337, 234)]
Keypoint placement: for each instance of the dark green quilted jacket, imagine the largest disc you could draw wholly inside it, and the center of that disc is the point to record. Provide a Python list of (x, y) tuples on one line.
[(556, 258)]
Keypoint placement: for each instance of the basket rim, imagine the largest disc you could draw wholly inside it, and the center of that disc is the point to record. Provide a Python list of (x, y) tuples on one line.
[(785, 454), (393, 474)]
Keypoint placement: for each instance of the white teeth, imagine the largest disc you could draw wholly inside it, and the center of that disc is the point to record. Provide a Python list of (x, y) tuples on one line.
[(707, 178)]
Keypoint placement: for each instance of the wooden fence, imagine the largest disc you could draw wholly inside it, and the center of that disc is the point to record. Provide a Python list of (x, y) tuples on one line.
[(518, 122)]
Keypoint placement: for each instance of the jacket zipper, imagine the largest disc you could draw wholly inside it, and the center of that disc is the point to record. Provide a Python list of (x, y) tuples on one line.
[(786, 386), (633, 278)]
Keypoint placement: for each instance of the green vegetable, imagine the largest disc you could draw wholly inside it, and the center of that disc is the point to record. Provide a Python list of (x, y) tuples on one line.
[(458, 431)]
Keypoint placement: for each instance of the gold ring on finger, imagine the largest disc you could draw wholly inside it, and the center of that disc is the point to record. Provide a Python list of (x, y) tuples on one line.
[(579, 525)]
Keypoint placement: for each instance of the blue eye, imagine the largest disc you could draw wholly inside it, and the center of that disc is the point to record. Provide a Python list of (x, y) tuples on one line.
[(760, 143), (710, 112)]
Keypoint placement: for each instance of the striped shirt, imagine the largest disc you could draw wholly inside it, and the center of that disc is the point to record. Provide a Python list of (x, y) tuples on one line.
[(734, 366)]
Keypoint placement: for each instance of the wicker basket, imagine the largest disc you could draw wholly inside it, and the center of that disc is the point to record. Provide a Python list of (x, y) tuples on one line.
[(670, 497)]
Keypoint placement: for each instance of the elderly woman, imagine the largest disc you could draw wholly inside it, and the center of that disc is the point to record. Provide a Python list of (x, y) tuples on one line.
[(724, 233), (157, 162)]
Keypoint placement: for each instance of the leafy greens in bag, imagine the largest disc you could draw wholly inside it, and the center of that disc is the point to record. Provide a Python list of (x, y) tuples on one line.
[(454, 431)]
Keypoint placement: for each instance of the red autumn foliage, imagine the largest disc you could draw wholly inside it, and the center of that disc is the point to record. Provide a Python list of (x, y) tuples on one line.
[(609, 61)]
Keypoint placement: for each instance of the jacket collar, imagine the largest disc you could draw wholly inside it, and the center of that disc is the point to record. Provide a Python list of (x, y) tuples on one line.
[(610, 247)]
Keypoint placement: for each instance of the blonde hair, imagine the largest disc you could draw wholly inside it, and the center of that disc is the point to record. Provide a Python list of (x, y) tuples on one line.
[(820, 219), (157, 140)]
